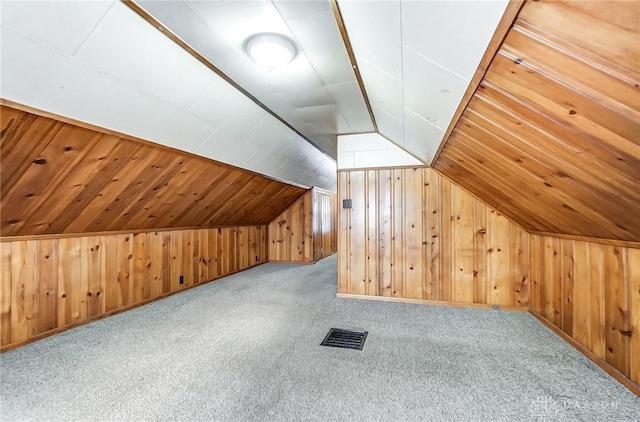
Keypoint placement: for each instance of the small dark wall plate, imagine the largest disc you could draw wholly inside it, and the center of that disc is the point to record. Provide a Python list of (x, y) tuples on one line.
[(345, 339)]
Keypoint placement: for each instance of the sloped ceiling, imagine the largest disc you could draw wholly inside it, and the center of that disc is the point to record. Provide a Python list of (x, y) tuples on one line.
[(317, 93), (417, 59), (100, 63), (76, 179), (551, 138)]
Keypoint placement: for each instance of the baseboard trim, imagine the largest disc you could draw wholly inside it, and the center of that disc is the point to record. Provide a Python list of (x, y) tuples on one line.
[(509, 308), (619, 376), (292, 262), (113, 312)]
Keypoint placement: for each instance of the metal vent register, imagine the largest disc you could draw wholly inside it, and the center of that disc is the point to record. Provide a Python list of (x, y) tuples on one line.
[(345, 339)]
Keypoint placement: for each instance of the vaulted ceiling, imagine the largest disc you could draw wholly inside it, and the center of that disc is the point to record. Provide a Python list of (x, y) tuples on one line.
[(550, 137), (192, 86), (72, 178)]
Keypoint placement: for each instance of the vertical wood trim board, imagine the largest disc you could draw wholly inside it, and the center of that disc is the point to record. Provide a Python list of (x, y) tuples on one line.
[(590, 292), (413, 234), (51, 284), (306, 231)]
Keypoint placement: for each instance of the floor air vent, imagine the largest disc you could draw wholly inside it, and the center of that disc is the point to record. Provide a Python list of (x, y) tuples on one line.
[(346, 339)]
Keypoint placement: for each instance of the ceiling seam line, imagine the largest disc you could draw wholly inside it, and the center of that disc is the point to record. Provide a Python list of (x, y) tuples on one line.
[(133, 5), (352, 58)]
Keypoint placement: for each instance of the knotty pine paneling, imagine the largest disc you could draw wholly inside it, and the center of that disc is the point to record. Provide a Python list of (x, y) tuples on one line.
[(324, 224), (413, 234), (59, 177), (590, 291), (551, 136), (306, 231), (53, 283)]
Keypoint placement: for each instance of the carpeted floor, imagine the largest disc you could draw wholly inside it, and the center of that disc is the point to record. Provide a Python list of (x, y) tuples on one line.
[(246, 348)]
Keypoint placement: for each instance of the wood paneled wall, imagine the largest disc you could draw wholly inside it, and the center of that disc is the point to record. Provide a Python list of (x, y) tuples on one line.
[(413, 234), (66, 177), (591, 292), (325, 240), (304, 232), (551, 137), (54, 283), (290, 233)]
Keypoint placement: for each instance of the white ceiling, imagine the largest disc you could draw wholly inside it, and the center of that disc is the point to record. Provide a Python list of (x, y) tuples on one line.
[(416, 59), (317, 93), (99, 62)]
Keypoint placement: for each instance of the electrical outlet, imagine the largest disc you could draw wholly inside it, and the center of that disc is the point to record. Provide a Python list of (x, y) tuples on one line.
[(346, 203), (181, 279)]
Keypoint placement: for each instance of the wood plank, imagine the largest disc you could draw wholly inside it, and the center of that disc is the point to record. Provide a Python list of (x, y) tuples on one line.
[(47, 268), (567, 286), (214, 253), (43, 176), (112, 297), (90, 282), (195, 256), (554, 61), (6, 284), (597, 309), (176, 260), (203, 256), (24, 290), (344, 233), (434, 220), (62, 205), (534, 258), (581, 330), (156, 261), (520, 267), (446, 241), (141, 266), (70, 275), (413, 232), (553, 281), (17, 155), (480, 254), (357, 240), (63, 176), (616, 309), (187, 258), (498, 239), (372, 235), (463, 240), (615, 43), (632, 273)]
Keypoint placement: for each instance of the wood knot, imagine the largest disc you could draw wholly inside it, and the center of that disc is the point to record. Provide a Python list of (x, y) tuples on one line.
[(40, 161)]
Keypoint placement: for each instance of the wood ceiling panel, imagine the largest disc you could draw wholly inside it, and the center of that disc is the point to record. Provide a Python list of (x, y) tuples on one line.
[(62, 177), (551, 136)]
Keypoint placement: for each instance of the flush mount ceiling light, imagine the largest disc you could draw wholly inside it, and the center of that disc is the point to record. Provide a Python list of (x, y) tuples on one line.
[(270, 51)]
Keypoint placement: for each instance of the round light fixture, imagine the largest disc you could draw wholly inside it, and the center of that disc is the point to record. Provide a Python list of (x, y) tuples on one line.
[(270, 51)]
